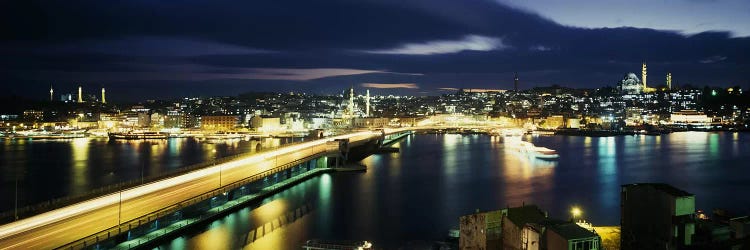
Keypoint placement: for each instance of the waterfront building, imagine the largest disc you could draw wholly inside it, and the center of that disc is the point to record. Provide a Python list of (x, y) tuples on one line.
[(481, 230), (157, 120), (405, 121), (690, 118), (174, 119), (571, 236), (634, 116), (144, 119), (656, 216), (371, 122), (515, 220), (319, 123), (526, 227), (554, 122), (130, 119), (110, 120), (219, 122), (266, 124)]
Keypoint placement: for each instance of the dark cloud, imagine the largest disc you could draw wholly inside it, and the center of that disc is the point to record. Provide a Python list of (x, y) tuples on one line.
[(242, 45)]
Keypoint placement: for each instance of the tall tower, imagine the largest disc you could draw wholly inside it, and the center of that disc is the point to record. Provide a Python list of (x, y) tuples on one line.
[(104, 97), (643, 76), (51, 93), (351, 101), (367, 104), (669, 81), (80, 94), (515, 82)]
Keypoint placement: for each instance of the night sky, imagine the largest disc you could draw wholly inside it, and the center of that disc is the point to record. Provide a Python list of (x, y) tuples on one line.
[(162, 49)]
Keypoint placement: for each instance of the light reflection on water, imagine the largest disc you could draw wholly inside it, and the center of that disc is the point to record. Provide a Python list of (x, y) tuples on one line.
[(79, 162), (419, 193), (50, 169)]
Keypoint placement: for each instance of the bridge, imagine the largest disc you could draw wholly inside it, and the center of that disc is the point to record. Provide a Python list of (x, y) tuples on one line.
[(113, 214), (89, 222)]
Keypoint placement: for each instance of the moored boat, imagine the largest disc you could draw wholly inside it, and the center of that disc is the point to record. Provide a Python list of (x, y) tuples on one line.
[(138, 136)]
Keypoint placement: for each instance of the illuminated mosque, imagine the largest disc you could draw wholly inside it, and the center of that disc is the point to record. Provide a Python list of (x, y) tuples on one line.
[(631, 85)]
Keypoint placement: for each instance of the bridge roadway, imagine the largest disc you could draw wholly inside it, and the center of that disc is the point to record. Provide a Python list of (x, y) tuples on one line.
[(68, 224)]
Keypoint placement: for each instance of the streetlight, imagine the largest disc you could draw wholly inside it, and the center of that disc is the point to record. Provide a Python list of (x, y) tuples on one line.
[(575, 211)]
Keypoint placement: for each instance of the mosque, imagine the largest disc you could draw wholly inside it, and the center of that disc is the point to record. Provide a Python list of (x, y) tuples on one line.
[(631, 85)]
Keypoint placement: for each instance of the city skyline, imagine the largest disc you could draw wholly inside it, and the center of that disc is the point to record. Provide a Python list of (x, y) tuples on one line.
[(415, 48), (375, 124)]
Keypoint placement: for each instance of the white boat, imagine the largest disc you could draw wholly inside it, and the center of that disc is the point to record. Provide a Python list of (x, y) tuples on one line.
[(545, 153), (139, 135), (223, 136), (537, 152)]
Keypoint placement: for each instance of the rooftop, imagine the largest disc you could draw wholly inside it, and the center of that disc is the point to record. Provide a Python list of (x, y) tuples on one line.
[(572, 231), (525, 214), (662, 187)]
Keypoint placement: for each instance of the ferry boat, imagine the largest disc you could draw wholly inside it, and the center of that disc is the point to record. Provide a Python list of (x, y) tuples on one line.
[(223, 136), (138, 136), (537, 152), (57, 136)]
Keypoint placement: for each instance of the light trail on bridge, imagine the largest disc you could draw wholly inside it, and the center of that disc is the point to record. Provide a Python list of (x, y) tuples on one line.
[(61, 226)]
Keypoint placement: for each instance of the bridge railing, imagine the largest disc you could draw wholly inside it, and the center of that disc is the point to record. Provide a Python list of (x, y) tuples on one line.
[(49, 205), (91, 240)]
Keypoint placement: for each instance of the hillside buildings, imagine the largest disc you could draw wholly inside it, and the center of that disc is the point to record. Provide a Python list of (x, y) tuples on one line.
[(526, 227)]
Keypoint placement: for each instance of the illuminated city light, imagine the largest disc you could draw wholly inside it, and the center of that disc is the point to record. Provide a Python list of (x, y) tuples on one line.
[(576, 212)]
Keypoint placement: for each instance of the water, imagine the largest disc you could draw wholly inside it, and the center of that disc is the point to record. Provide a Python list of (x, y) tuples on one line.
[(415, 197), (50, 169)]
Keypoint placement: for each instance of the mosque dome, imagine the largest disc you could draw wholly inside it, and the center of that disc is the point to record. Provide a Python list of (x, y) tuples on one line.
[(631, 84)]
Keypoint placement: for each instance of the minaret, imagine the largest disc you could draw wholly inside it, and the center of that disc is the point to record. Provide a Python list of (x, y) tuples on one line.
[(104, 97), (367, 104), (515, 83), (351, 101), (643, 76), (669, 81), (80, 94), (51, 93)]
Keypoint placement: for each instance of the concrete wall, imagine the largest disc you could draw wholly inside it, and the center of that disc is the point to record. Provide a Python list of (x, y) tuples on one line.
[(533, 238), (472, 232), (555, 241), (684, 205), (647, 217), (512, 234)]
